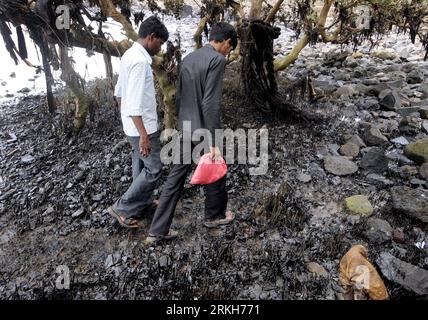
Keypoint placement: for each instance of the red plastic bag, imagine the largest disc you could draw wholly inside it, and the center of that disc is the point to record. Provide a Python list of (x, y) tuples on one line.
[(209, 171)]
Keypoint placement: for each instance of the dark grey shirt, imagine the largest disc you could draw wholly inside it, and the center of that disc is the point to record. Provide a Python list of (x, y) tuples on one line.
[(199, 89)]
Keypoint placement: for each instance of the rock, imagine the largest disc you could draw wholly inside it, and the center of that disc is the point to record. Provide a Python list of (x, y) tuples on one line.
[(373, 137), (396, 155), (417, 182), (304, 178), (385, 54), (333, 149), (316, 171), (390, 100), (407, 171), (405, 274), (9, 95), (357, 55), (378, 230), (370, 104), (78, 213), (410, 125), (423, 111), (79, 176), (317, 269), (408, 111), (415, 76), (349, 150), (374, 160), (398, 236), (417, 151), (98, 197), (359, 204), (28, 158), (401, 141), (397, 84), (379, 180), (425, 126), (359, 73), (355, 139), (12, 75), (370, 82), (3, 83), (24, 90), (109, 261), (336, 181), (388, 114), (339, 166), (346, 91), (411, 202), (423, 171), (341, 75), (164, 261), (404, 53), (186, 11)]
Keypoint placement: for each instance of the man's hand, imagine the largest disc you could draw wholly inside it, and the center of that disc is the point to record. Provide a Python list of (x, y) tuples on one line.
[(145, 146), (215, 153)]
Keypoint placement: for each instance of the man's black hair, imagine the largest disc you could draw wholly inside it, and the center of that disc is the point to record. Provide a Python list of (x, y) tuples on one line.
[(222, 31), (153, 25)]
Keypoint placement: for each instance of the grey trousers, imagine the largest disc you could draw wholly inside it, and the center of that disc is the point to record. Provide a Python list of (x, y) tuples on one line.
[(215, 199), (146, 172)]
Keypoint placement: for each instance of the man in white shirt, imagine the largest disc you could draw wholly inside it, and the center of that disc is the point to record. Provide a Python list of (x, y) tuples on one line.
[(135, 92)]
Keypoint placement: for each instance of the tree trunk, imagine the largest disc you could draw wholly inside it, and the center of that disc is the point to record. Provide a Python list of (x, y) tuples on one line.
[(166, 67), (256, 9), (48, 76), (76, 84), (198, 33), (257, 72)]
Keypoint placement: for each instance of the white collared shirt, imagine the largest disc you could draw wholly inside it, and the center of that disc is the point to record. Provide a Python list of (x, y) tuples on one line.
[(135, 86)]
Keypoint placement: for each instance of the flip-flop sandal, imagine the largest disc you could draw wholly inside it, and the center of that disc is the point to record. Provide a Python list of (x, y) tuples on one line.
[(151, 239), (125, 222), (230, 216)]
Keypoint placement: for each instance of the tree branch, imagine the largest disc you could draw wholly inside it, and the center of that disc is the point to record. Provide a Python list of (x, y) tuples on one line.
[(281, 64), (273, 11)]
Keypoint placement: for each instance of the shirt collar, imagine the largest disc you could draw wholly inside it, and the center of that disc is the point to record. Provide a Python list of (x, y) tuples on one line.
[(208, 45), (143, 50)]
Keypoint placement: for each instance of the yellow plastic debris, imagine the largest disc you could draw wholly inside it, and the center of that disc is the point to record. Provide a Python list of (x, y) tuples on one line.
[(357, 272)]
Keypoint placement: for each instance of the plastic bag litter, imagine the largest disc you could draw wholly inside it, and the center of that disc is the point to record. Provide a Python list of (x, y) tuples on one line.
[(357, 272), (209, 171)]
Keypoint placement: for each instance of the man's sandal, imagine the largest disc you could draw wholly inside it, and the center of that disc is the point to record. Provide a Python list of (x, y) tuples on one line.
[(230, 216), (126, 222), (152, 239)]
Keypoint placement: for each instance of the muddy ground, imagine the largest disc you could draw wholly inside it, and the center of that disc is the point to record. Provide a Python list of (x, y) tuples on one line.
[(55, 188)]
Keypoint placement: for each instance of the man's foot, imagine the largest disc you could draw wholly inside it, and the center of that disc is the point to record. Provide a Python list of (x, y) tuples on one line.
[(126, 222), (152, 239), (230, 216)]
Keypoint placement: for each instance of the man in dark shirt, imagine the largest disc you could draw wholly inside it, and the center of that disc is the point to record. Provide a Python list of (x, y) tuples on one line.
[(198, 104)]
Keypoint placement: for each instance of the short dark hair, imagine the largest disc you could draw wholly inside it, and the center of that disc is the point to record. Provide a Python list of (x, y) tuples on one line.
[(222, 31), (153, 25)]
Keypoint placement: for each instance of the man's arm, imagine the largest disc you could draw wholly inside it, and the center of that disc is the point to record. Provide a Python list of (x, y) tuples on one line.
[(145, 146), (212, 95)]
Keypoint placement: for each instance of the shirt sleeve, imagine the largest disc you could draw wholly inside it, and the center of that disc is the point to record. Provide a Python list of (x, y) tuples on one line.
[(212, 95), (135, 88)]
